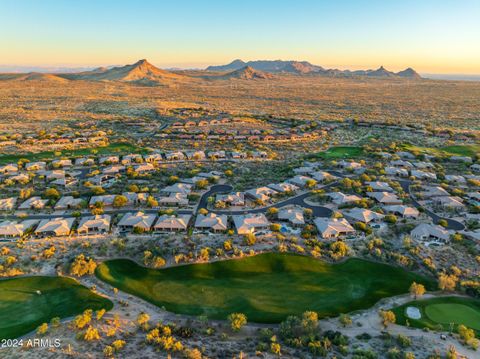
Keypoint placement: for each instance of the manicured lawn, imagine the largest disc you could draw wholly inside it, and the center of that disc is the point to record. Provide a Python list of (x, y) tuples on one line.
[(113, 148), (23, 309), (266, 287), (446, 151), (340, 152), (438, 313)]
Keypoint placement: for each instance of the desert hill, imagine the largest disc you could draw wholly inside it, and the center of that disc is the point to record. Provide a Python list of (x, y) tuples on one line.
[(409, 73), (141, 72), (33, 76), (247, 73)]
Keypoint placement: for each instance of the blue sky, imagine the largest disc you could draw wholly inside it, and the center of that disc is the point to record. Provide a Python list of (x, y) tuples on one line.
[(432, 36)]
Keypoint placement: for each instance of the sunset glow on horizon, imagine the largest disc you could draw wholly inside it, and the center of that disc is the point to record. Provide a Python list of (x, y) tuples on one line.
[(429, 36)]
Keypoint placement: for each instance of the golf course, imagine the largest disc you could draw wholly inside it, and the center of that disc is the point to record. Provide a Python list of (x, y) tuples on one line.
[(266, 288), (27, 302), (339, 152), (439, 313)]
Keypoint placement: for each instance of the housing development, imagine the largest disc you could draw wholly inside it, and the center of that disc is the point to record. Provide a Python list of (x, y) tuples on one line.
[(256, 209)]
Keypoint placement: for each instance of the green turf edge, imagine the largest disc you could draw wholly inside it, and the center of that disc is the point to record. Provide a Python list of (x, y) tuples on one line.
[(425, 321), (103, 273), (82, 298)]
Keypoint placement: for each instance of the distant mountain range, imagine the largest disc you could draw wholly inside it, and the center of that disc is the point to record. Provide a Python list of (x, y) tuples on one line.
[(304, 67), (144, 73)]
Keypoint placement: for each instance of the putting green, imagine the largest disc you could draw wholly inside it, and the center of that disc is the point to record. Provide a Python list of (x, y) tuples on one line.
[(340, 152), (27, 302), (446, 313), (439, 313), (266, 287)]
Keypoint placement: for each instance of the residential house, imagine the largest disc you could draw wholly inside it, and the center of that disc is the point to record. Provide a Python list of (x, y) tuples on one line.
[(464, 159), (448, 202), (104, 181), (195, 155), (433, 191), (423, 165), (259, 154), (9, 168), (144, 167), (94, 224), (423, 175), (405, 155), (212, 222), (36, 166), (250, 223), (56, 227), (322, 176), (20, 178), (106, 200), (262, 193), (140, 220), (300, 181), (401, 163), (174, 156), (455, 179), (378, 186), (132, 158), (135, 199), (13, 229), (61, 163), (475, 167), (333, 227), (340, 198), (84, 161), (362, 215), (174, 199), (430, 232), (182, 188), (34, 203), (238, 155), (217, 154), (394, 171), (402, 210), (172, 223), (351, 165), (108, 160), (153, 158), (303, 170), (294, 215), (283, 187), (473, 198), (7, 204), (113, 169), (387, 198), (68, 202), (232, 199)]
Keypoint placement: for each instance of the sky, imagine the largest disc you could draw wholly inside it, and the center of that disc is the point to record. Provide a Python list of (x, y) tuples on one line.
[(441, 36)]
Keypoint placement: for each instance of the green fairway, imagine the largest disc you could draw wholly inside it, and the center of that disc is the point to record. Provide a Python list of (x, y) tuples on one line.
[(266, 287), (438, 313), (27, 302), (446, 151), (113, 148), (340, 152)]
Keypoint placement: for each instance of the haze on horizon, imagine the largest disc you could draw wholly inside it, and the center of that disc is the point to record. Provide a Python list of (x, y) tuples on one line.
[(430, 36)]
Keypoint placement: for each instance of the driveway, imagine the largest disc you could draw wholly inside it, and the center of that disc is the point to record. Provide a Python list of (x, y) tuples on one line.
[(451, 223)]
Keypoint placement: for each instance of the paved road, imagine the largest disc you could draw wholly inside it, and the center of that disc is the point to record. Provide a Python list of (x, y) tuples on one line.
[(451, 223), (318, 211), (299, 200)]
